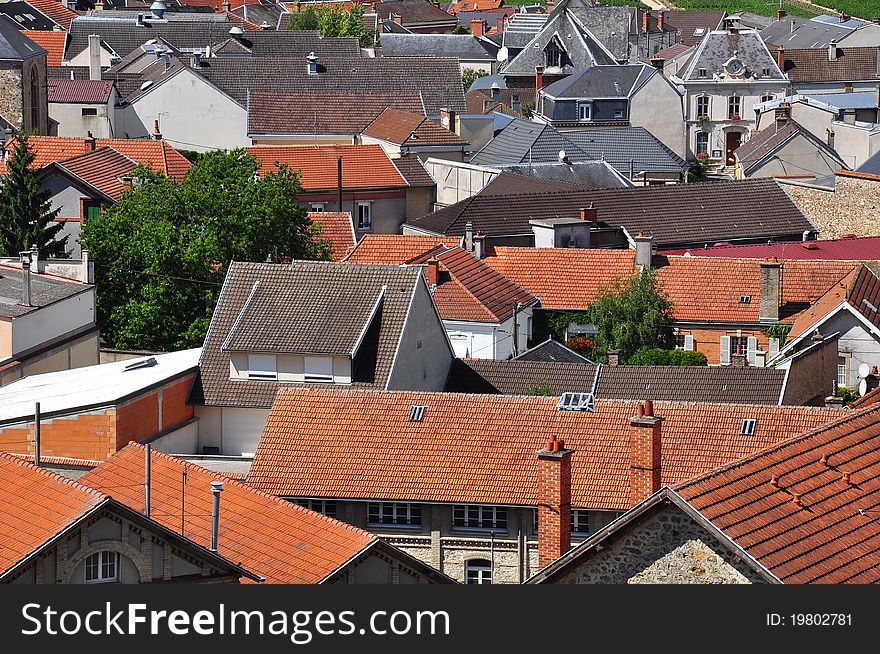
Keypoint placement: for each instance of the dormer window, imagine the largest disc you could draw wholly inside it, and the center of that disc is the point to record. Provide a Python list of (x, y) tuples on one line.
[(701, 72), (262, 366), (553, 55), (319, 369), (585, 111)]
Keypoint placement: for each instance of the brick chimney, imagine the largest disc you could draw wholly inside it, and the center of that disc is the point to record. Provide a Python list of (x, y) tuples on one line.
[(478, 27), (89, 142), (613, 357), (397, 18), (539, 82), (431, 269), (769, 284), (554, 501), (157, 135), (645, 455), (643, 250), (661, 20), (590, 214), (782, 114), (646, 16), (780, 58)]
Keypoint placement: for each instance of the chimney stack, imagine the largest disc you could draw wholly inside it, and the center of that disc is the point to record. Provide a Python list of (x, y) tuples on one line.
[(431, 269), (479, 246), (94, 56), (99, 5), (158, 9), (397, 18), (661, 19), (645, 453), (312, 65), (89, 142), (26, 277), (644, 246), (478, 27), (832, 50), (769, 285), (495, 91), (539, 82), (157, 135), (613, 357), (590, 214), (782, 114), (780, 58), (216, 488), (469, 236), (646, 16), (197, 60), (554, 501), (447, 119)]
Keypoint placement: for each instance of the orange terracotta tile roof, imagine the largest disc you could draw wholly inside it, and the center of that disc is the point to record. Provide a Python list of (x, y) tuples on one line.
[(104, 169), (273, 538), (394, 249), (481, 448), (832, 299), (35, 506), (337, 228), (52, 41), (806, 508), (158, 154), (55, 10), (410, 129), (363, 166), (868, 399)]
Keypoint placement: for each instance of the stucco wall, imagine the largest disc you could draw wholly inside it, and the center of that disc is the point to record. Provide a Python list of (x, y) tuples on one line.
[(659, 108), (52, 321), (75, 353), (798, 157), (71, 121), (852, 208), (458, 181), (233, 430)]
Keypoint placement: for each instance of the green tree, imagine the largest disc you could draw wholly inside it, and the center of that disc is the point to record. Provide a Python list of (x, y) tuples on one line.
[(332, 21), (303, 20), (656, 356), (461, 29), (25, 211), (164, 249), (469, 75)]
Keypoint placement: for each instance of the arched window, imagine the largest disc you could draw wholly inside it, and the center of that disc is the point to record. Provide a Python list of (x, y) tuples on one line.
[(478, 571), (102, 568), (35, 100)]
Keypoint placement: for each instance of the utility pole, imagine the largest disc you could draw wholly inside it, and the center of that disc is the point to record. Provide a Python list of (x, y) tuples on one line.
[(516, 308)]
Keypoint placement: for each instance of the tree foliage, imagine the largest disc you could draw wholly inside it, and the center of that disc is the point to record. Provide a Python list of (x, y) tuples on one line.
[(631, 314), (164, 249), (461, 29), (26, 213), (469, 75), (334, 21)]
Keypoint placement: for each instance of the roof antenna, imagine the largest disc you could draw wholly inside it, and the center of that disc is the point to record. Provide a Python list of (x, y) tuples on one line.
[(147, 483), (183, 501)]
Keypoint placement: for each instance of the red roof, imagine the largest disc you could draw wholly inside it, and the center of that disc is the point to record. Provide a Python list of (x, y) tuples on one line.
[(55, 10), (843, 248), (52, 41), (363, 166), (103, 169), (273, 538), (410, 129), (337, 228), (807, 508), (81, 91), (35, 506), (481, 448), (394, 249)]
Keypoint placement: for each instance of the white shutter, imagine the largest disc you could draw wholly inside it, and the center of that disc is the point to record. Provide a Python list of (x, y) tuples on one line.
[(724, 357), (774, 347), (751, 348), (688, 342)]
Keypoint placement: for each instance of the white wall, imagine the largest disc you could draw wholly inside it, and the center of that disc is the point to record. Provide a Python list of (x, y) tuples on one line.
[(47, 323), (458, 181), (659, 108), (180, 441), (234, 430), (71, 122)]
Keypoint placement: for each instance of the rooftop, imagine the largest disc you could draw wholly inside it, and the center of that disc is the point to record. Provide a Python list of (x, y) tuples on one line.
[(694, 25), (45, 290), (842, 249), (14, 44), (813, 64), (551, 350), (337, 228), (52, 41), (411, 130), (80, 91)]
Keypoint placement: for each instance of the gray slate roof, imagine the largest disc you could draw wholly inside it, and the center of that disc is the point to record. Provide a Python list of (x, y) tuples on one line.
[(552, 351), (602, 82), (718, 47), (26, 16), (297, 303), (44, 291), (596, 174), (463, 46), (522, 28), (438, 79), (806, 34), (14, 45), (871, 165)]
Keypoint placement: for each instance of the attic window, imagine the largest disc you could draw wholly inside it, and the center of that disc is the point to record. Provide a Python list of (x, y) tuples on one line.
[(149, 362), (417, 412), (701, 72), (576, 402), (747, 428), (700, 31), (262, 366), (745, 299)]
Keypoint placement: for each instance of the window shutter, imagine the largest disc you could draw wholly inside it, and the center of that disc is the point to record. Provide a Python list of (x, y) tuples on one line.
[(688, 342), (751, 348), (774, 347), (724, 357)]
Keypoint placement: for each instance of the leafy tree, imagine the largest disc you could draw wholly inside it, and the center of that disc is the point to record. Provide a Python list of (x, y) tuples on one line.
[(543, 389), (303, 20), (164, 249), (25, 211), (528, 109), (332, 21), (469, 75), (656, 356), (461, 29)]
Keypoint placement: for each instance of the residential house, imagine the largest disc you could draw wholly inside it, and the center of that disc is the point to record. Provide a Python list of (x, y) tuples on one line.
[(790, 513), (633, 151), (401, 132), (58, 531), (91, 412), (418, 16), (785, 149), (47, 316), (276, 542), (514, 499), (851, 308), (371, 187), (498, 98), (80, 107), (485, 314), (675, 215), (39, 15), (473, 52), (23, 104), (794, 32), (833, 69), (730, 72), (692, 26), (362, 326), (635, 95)]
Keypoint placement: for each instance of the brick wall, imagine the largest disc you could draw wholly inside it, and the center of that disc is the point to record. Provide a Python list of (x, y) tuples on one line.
[(175, 409), (82, 436), (139, 418), (708, 341)]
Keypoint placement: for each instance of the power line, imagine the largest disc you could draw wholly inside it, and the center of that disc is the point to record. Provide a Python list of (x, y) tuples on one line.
[(151, 274)]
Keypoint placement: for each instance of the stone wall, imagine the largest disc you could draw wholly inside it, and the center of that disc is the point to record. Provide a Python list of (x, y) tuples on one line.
[(10, 95), (664, 547), (852, 208)]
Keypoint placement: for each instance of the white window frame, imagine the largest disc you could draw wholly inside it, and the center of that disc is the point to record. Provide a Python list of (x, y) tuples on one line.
[(262, 366), (479, 517), (844, 369), (580, 518), (315, 368), (589, 112), (317, 207), (768, 97), (734, 101), (100, 562), (703, 99), (478, 571), (741, 340), (697, 149), (400, 515), (365, 215)]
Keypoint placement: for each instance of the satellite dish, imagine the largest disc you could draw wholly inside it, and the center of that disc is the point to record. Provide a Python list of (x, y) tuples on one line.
[(864, 370), (863, 387)]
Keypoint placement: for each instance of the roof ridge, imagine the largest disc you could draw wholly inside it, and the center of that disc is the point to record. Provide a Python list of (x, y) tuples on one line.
[(51, 474)]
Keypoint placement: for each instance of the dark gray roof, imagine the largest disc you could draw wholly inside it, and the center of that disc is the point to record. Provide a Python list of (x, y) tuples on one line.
[(764, 145), (523, 141), (806, 33), (26, 16), (552, 351), (463, 46), (14, 45), (721, 384), (413, 170), (755, 21), (522, 28), (609, 25), (44, 291), (718, 47), (260, 13), (390, 27), (596, 174), (871, 166), (323, 298), (415, 12), (438, 79), (602, 82)]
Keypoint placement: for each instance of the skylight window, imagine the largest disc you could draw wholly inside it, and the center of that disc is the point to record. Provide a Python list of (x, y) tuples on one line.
[(870, 305), (417, 412), (149, 362), (745, 299), (700, 31), (577, 402), (747, 428)]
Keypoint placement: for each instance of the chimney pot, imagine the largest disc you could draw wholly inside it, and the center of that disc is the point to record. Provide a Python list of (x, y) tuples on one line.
[(796, 499), (645, 454), (649, 408), (845, 476), (469, 236), (780, 58), (157, 135), (824, 459), (431, 269), (640, 411), (832, 50), (539, 81), (554, 501)]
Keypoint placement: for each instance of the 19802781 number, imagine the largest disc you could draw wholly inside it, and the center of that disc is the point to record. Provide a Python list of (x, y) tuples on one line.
[(810, 620)]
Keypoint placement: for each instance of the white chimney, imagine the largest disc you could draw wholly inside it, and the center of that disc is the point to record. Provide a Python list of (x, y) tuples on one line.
[(312, 66), (94, 56)]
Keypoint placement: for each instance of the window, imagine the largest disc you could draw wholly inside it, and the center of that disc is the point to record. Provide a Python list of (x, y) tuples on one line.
[(618, 113), (317, 207), (326, 507), (477, 516), (745, 299), (702, 142), (89, 111), (767, 97), (765, 72), (365, 215), (35, 101), (584, 111), (262, 366), (679, 341), (318, 368), (733, 104), (91, 209), (842, 371), (703, 105), (478, 571), (102, 567), (700, 31), (552, 57), (701, 72), (401, 514), (747, 427), (576, 402), (580, 522), (741, 341), (417, 412)]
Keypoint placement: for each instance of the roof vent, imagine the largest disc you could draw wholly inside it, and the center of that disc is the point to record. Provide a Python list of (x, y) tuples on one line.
[(747, 428), (236, 32), (577, 402), (149, 362), (158, 8), (417, 412)]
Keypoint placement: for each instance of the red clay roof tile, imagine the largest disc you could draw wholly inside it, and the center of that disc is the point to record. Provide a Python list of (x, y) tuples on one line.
[(337, 228)]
